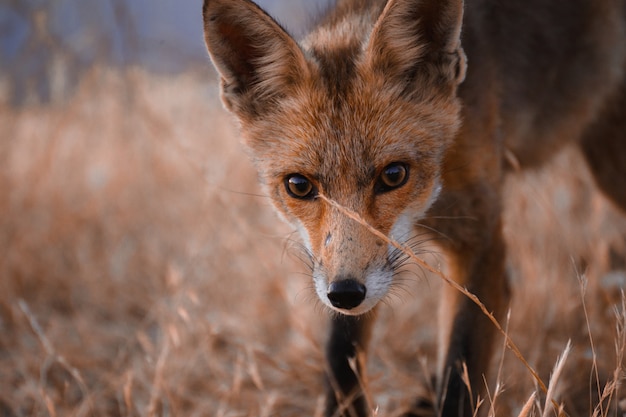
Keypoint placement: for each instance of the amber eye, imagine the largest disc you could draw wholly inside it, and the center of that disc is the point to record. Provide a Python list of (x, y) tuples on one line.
[(298, 186), (393, 176)]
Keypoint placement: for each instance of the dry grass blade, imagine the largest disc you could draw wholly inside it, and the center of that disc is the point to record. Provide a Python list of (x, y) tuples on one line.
[(612, 386), (528, 406), (354, 365), (550, 404), (157, 384), (51, 352), (594, 376), (498, 385), (509, 342), (466, 380)]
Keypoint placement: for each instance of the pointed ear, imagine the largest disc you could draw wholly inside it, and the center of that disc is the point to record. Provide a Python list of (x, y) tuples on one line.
[(411, 33), (257, 60)]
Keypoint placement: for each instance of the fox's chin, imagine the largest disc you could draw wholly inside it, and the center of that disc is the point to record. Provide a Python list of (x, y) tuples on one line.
[(365, 307)]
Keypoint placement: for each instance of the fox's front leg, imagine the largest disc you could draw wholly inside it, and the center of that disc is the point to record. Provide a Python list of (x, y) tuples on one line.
[(476, 249), (345, 354)]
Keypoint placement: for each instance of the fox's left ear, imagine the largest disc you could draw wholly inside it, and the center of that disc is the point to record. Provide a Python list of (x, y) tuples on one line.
[(413, 35), (257, 59)]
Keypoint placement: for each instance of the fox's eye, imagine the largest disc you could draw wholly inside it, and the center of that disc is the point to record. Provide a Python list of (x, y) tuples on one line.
[(298, 186), (393, 176)]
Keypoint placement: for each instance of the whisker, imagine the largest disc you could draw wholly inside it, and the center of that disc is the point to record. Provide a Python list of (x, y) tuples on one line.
[(451, 218), (301, 252), (432, 229)]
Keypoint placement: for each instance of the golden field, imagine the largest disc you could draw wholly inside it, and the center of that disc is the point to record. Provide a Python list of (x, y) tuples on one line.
[(144, 273)]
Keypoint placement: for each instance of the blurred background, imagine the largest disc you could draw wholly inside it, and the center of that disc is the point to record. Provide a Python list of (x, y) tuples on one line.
[(47, 46), (142, 271)]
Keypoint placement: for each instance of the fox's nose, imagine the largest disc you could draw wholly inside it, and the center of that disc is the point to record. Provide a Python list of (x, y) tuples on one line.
[(346, 293)]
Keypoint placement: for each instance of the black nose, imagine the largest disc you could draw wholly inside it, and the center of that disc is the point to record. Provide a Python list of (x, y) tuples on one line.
[(346, 294)]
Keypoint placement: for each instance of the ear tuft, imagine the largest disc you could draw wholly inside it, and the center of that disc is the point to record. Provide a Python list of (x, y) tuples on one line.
[(461, 66)]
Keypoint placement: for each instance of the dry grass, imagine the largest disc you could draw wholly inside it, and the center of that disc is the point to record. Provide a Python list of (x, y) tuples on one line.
[(141, 273)]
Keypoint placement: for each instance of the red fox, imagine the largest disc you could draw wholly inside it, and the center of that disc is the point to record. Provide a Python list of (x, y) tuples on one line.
[(410, 113)]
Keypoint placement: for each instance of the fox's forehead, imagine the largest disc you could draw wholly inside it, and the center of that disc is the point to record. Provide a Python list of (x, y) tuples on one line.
[(348, 137), (349, 123), (335, 49)]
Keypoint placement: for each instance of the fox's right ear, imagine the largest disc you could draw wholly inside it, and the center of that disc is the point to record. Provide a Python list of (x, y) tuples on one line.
[(258, 61)]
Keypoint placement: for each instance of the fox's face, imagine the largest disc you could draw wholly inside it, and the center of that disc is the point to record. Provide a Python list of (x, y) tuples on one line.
[(360, 113)]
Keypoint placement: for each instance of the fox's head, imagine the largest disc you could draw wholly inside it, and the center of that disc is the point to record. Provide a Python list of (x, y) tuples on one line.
[(360, 112)]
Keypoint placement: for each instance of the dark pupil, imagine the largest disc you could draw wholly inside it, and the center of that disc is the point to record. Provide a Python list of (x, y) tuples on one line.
[(299, 185), (394, 175)]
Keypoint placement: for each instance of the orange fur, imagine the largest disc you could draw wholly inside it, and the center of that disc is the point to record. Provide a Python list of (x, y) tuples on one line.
[(381, 91)]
